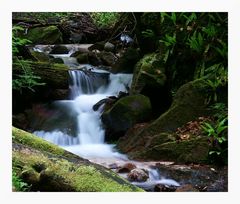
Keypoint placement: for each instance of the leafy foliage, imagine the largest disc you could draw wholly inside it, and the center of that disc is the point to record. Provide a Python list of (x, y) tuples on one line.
[(190, 43), (27, 79), (105, 19), (18, 41), (18, 183), (217, 132)]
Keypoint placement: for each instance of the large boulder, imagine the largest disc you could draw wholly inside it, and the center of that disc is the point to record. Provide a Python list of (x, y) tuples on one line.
[(188, 104), (126, 112), (127, 61), (150, 79), (47, 167), (44, 35), (108, 58)]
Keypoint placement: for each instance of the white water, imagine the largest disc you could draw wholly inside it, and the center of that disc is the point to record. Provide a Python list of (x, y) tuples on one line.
[(89, 142)]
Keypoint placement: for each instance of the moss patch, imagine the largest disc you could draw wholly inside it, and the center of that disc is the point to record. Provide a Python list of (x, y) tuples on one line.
[(148, 72), (23, 137), (44, 35), (59, 174), (194, 150)]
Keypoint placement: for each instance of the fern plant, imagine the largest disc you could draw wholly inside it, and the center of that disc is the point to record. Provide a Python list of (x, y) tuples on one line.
[(27, 79), (18, 183), (18, 41)]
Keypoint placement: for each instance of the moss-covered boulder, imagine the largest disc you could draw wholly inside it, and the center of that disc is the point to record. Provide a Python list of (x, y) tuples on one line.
[(149, 78), (46, 167), (44, 35), (188, 104), (194, 150), (40, 56), (126, 112)]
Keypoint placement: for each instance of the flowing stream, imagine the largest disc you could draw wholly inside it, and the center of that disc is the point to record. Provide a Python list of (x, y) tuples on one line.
[(88, 142)]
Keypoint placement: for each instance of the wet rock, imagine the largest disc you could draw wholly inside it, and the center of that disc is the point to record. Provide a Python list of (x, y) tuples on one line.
[(126, 168), (126, 112), (108, 58), (109, 47), (107, 101), (164, 188), (126, 62), (138, 175), (59, 49), (186, 188), (82, 58), (200, 177)]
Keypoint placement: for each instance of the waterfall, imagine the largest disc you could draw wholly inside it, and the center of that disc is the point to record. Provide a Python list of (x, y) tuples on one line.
[(86, 91), (80, 83)]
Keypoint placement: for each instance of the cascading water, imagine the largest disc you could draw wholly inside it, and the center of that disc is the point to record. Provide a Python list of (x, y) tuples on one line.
[(85, 92)]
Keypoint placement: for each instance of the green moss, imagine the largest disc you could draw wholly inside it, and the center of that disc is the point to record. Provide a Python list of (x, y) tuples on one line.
[(45, 35), (28, 139), (194, 150), (40, 56), (148, 71), (127, 111), (62, 175)]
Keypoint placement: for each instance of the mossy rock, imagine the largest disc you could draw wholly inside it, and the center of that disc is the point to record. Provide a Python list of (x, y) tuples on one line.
[(126, 112), (194, 150), (44, 35), (47, 167), (40, 56), (188, 104), (148, 72), (53, 74), (82, 58), (149, 79)]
